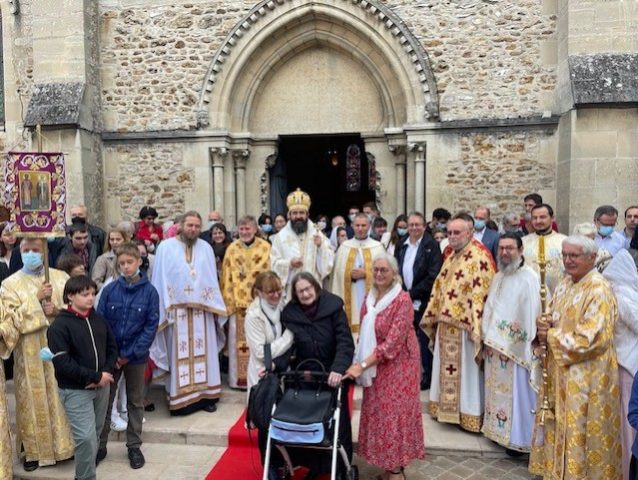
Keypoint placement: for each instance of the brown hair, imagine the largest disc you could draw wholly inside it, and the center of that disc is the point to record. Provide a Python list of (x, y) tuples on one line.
[(307, 276), (121, 231), (266, 281), (68, 262), (130, 249)]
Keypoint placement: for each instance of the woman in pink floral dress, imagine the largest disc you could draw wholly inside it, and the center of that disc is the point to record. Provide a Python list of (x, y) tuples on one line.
[(387, 364)]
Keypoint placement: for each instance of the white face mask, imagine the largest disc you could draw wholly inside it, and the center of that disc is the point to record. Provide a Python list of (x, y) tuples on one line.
[(212, 223), (352, 216), (321, 225)]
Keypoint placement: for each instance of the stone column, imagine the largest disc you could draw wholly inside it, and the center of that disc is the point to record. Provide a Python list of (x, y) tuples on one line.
[(399, 151), (229, 192), (419, 176), (217, 157), (240, 158)]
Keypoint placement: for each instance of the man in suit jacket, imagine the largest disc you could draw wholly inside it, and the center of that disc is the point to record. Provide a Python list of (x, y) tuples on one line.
[(483, 233), (420, 259)]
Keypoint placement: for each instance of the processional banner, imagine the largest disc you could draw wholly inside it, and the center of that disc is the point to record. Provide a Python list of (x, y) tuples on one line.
[(35, 192)]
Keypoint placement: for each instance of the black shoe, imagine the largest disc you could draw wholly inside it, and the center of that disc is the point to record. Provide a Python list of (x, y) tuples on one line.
[(210, 408), (101, 455), (149, 407), (136, 458), (513, 453), (30, 466)]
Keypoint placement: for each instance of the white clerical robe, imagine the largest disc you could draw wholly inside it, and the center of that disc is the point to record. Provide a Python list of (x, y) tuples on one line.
[(352, 254), (508, 328), (287, 245), (553, 255), (192, 312)]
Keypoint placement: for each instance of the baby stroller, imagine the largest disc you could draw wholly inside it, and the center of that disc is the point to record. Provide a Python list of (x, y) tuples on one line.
[(307, 417)]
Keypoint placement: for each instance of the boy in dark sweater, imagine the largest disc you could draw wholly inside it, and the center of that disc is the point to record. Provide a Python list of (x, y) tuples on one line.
[(84, 355), (130, 305)]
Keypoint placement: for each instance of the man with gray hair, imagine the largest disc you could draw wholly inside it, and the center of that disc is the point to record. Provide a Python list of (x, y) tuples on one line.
[(511, 224), (605, 219), (583, 440)]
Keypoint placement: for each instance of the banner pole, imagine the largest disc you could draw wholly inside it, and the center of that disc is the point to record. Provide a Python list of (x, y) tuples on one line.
[(45, 242)]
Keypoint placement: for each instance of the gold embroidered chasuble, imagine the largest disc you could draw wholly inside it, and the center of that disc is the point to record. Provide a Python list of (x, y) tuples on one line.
[(453, 316), (553, 255), (352, 254), (241, 266), (583, 441), (42, 428)]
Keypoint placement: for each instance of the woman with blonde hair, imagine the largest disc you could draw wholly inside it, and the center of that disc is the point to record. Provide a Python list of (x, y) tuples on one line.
[(104, 268), (262, 325)]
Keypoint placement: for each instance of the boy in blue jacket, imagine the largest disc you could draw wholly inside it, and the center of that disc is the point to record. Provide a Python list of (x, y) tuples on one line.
[(130, 305)]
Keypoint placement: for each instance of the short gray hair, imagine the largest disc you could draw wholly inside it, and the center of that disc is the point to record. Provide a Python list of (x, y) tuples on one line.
[(605, 210), (510, 217), (587, 244), (586, 229)]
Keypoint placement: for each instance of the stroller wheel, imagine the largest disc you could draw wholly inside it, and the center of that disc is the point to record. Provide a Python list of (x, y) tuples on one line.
[(353, 474)]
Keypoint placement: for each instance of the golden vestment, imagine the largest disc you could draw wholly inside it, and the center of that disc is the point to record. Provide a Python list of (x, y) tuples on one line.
[(453, 320), (241, 266), (583, 441), (42, 428)]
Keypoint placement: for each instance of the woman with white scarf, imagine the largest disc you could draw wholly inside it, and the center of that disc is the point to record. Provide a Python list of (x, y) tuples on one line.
[(621, 273), (387, 364)]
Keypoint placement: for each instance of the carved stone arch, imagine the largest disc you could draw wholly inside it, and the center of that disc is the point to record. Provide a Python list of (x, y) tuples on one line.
[(275, 30)]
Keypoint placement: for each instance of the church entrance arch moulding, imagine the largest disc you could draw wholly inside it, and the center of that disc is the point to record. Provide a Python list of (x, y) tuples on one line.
[(275, 31), (293, 67)]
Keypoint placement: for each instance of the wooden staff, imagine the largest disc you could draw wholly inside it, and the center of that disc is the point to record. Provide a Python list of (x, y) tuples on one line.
[(45, 243), (545, 412)]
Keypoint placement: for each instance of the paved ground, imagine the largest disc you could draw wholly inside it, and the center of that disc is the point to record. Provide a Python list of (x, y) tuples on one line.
[(186, 448)]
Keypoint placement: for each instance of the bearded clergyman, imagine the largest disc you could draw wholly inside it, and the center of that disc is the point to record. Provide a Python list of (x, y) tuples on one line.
[(509, 327), (300, 246)]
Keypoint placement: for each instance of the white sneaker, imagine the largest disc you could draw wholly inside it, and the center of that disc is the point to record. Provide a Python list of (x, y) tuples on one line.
[(118, 424)]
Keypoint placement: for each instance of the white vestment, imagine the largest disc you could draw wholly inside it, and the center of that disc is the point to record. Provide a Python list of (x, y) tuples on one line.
[(354, 253), (192, 313), (508, 328), (553, 256), (288, 245)]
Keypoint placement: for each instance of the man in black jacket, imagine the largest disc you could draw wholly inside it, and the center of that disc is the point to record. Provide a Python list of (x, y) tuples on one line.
[(84, 355), (420, 260)]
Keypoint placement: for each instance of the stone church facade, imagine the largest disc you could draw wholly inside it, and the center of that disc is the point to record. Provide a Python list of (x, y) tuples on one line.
[(183, 104)]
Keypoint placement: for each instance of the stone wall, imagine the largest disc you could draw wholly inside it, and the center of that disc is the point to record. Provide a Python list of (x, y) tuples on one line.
[(490, 59), (146, 174), (498, 169)]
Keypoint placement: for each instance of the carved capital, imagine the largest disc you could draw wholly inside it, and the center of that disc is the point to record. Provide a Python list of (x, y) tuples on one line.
[(418, 149), (217, 156), (240, 157)]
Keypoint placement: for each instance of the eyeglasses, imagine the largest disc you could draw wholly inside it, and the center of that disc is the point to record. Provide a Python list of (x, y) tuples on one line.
[(273, 292), (572, 256), (382, 271), (507, 249), (306, 290), (455, 232)]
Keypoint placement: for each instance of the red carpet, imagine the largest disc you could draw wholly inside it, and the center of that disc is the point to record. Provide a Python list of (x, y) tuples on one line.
[(241, 459)]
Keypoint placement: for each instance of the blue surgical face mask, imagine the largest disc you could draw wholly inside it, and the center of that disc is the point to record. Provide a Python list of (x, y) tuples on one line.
[(136, 274), (441, 226), (212, 223), (605, 230), (266, 227), (402, 231), (46, 355), (32, 260), (479, 224)]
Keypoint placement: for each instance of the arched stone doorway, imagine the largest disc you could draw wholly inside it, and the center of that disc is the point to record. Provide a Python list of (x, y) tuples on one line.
[(320, 67)]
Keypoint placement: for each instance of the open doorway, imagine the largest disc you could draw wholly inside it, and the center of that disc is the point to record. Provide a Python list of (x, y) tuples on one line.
[(332, 169)]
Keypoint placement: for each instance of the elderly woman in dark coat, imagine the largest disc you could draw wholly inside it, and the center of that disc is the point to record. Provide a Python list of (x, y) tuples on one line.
[(320, 327)]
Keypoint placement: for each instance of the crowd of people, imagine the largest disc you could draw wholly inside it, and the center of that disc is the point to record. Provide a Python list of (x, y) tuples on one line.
[(517, 331)]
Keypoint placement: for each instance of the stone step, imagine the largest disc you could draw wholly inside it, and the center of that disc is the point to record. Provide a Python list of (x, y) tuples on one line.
[(211, 429), (184, 462)]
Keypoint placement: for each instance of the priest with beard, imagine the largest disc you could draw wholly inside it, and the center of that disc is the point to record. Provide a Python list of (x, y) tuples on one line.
[(192, 314), (509, 327), (300, 246)]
